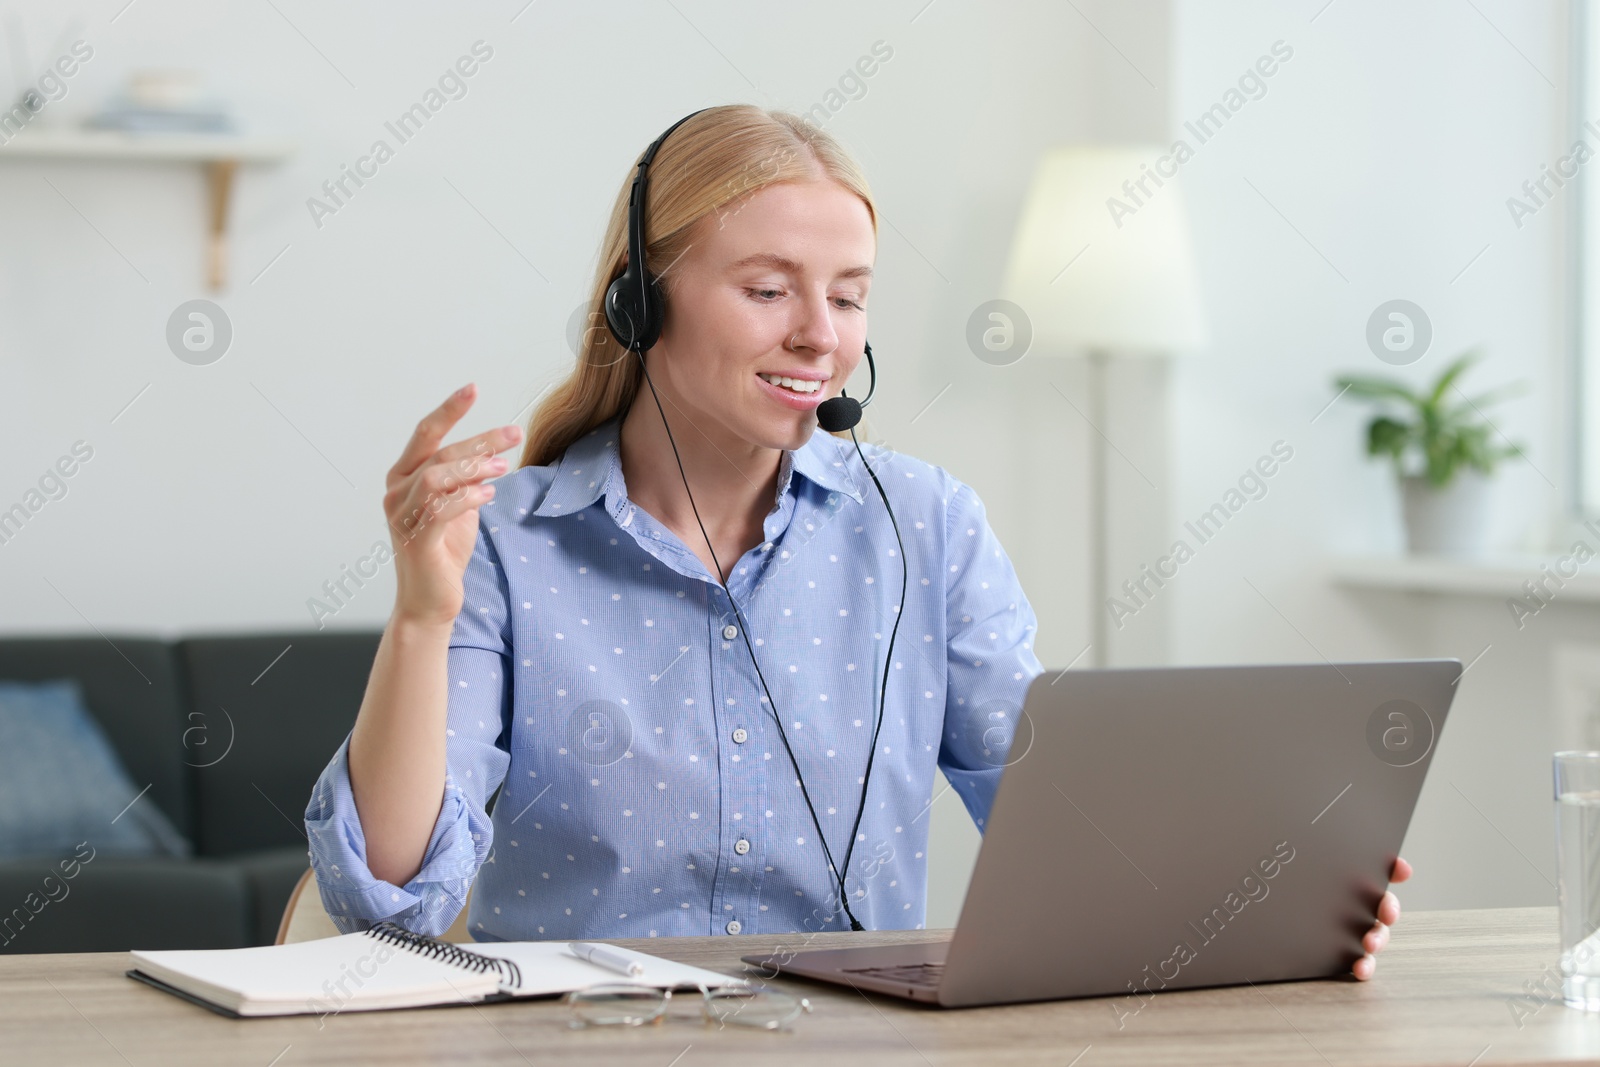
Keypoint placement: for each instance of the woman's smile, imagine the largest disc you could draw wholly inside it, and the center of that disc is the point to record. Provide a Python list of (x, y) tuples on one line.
[(789, 397)]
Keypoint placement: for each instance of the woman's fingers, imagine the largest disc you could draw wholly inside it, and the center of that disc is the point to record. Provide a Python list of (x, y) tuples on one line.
[(1389, 909), (430, 503), (431, 430), (426, 484), (481, 446), (473, 496), (1377, 938), (437, 491), (429, 495), (446, 476)]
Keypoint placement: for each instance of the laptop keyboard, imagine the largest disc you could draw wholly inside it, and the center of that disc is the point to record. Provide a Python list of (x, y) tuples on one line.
[(919, 974)]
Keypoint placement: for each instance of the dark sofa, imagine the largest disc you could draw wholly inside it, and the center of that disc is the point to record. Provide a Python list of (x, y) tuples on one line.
[(230, 733)]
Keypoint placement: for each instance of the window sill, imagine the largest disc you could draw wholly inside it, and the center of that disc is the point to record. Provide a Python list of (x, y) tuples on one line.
[(1498, 576)]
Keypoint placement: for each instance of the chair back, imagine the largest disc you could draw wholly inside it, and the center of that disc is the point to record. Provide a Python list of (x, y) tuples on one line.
[(304, 918)]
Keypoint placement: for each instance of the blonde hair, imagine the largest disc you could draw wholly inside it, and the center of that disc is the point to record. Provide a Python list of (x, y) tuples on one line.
[(714, 158)]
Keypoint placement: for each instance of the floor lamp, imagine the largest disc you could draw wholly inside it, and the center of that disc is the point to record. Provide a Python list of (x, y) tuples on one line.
[(1102, 267)]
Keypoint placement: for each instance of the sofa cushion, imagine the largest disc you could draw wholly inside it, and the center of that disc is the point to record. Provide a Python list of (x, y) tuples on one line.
[(61, 782), (131, 687), (289, 700), (114, 903), (271, 875)]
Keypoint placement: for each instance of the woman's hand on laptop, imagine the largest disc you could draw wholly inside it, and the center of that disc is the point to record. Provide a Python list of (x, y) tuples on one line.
[(1388, 915)]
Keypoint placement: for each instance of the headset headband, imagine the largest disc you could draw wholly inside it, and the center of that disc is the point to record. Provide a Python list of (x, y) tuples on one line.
[(632, 311)]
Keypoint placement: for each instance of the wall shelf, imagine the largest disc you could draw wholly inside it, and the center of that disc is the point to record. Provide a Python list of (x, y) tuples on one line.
[(1497, 577), (219, 154)]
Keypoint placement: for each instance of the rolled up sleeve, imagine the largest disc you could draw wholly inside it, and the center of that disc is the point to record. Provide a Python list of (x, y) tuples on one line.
[(477, 756), (991, 661)]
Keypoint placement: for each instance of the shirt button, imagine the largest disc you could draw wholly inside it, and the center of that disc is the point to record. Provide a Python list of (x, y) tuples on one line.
[(741, 846), (730, 631), (740, 736), (733, 926)]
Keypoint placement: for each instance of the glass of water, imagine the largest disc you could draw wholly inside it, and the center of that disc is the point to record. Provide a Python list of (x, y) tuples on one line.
[(1577, 791)]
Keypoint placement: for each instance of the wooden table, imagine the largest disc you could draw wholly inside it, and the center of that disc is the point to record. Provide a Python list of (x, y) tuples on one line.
[(1452, 988)]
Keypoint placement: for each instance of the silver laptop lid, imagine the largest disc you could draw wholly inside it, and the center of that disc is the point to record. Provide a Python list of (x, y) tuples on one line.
[(1168, 828)]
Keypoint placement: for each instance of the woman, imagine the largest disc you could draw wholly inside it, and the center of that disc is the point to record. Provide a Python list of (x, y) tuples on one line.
[(576, 630)]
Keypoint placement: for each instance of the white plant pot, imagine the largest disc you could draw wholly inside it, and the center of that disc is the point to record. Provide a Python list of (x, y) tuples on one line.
[(1453, 521)]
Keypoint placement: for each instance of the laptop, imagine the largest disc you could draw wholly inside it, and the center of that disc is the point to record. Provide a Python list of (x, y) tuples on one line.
[(1174, 828)]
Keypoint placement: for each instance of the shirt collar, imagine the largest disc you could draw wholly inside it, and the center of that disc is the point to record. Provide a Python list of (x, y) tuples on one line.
[(591, 468)]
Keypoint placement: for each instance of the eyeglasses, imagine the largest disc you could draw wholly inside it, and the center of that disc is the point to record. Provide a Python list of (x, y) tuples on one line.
[(633, 1005)]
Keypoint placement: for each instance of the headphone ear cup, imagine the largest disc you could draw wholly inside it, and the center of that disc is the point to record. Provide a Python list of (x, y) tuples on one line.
[(624, 317), (650, 324), (633, 327)]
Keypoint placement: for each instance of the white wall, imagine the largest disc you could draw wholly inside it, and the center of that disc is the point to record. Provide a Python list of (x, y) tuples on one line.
[(226, 495), (1390, 141)]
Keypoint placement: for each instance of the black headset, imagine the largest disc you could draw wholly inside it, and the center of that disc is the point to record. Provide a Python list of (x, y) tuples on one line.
[(633, 309)]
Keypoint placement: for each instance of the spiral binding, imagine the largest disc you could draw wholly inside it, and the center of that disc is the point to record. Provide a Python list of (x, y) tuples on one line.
[(510, 974)]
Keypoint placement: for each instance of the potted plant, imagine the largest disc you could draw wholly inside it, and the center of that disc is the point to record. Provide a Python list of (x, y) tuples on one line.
[(1443, 453)]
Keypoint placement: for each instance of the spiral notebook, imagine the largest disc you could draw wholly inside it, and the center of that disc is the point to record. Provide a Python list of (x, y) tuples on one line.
[(390, 967)]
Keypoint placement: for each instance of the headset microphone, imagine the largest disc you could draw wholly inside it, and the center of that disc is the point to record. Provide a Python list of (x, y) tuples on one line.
[(843, 412), (633, 310)]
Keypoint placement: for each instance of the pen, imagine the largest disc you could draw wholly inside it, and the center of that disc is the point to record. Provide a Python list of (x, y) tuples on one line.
[(610, 959)]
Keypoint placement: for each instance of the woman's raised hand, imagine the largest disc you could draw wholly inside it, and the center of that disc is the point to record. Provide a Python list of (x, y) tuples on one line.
[(432, 509)]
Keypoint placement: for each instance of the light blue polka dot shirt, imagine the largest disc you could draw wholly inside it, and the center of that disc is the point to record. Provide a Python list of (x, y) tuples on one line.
[(598, 676)]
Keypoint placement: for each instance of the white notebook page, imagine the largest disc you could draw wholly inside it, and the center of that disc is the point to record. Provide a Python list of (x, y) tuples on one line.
[(358, 972), (351, 972), (548, 967)]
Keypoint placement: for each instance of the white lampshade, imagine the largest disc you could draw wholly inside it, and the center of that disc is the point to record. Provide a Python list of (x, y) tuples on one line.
[(1131, 287)]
